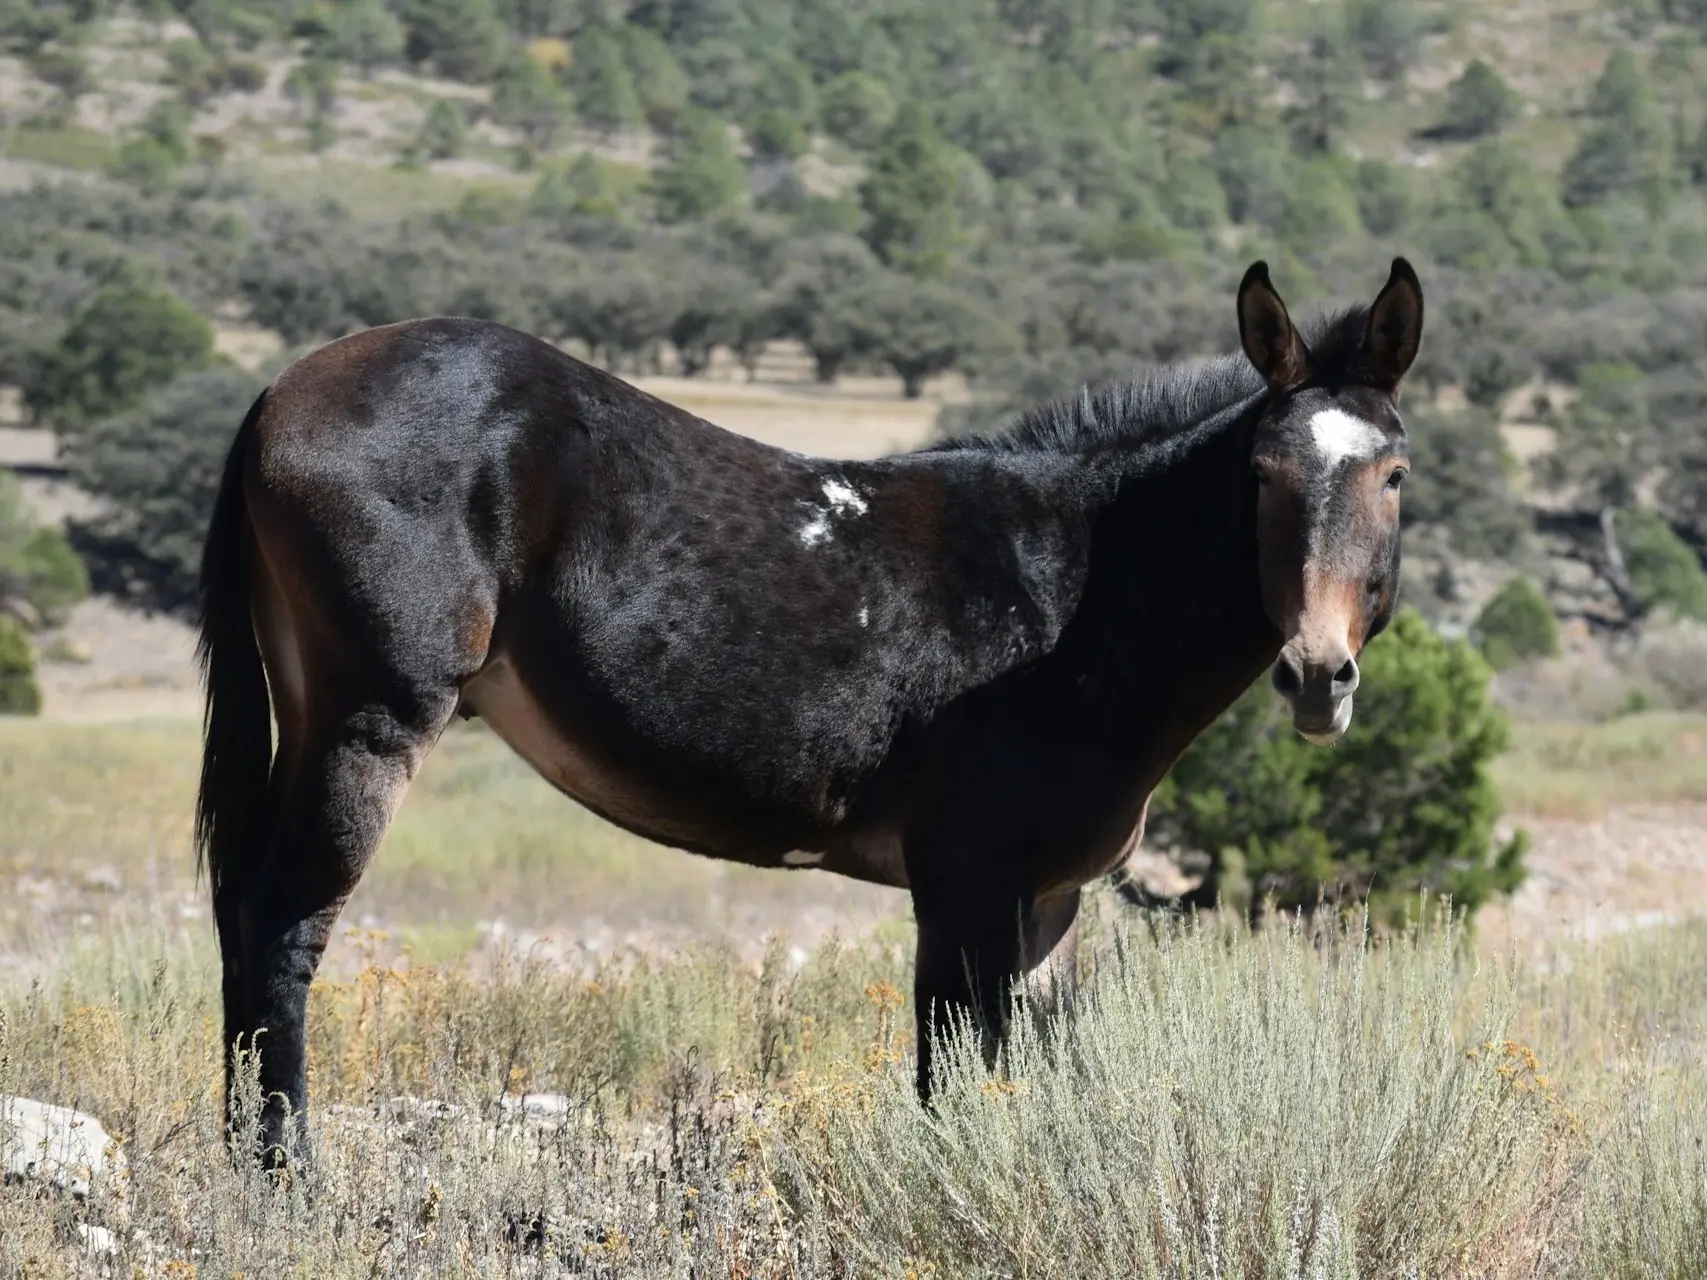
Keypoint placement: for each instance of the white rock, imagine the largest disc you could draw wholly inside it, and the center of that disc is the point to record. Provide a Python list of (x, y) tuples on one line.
[(539, 1106), (406, 1107), (104, 879), (97, 1242), (40, 1142)]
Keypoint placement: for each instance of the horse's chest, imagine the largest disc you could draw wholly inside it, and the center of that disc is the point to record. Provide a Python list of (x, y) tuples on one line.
[(1099, 854)]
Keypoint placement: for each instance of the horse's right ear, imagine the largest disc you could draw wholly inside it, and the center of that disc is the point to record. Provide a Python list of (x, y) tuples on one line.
[(1267, 334)]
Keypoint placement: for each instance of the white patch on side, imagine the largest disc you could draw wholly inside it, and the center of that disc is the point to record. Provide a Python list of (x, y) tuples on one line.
[(1340, 437), (801, 858), (843, 498), (815, 530), (864, 617)]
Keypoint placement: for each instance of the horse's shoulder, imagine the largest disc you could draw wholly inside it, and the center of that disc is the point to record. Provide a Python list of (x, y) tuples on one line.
[(999, 547)]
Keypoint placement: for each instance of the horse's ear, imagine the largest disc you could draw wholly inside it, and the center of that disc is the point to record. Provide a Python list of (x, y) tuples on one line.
[(1395, 328), (1267, 334)]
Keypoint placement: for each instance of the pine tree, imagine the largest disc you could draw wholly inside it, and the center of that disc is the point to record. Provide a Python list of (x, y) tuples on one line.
[(702, 175), (528, 98), (1625, 150), (599, 77), (909, 196)]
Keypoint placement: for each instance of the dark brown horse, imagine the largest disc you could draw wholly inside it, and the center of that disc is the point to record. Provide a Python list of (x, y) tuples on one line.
[(960, 671)]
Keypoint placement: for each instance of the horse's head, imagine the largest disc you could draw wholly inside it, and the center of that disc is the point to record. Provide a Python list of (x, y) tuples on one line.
[(1330, 455)]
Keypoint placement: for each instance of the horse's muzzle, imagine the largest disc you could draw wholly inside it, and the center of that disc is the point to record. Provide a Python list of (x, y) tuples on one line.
[(1319, 693)]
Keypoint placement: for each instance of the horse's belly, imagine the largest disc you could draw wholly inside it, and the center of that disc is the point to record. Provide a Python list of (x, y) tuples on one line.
[(503, 701), (650, 803)]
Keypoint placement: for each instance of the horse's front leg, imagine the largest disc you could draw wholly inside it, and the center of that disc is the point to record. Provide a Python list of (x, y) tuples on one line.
[(976, 951)]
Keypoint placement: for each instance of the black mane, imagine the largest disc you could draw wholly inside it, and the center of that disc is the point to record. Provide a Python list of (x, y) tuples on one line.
[(1160, 401)]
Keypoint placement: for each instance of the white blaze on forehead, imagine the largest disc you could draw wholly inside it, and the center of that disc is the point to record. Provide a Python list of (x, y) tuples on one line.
[(1340, 437)]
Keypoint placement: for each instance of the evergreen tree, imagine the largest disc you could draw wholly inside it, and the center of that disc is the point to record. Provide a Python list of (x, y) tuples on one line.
[(786, 86), (363, 33), (1386, 196), (599, 77), (909, 196), (38, 570), (1696, 157), (659, 81), (444, 133), (1326, 78), (1478, 103), (1404, 803), (1516, 625), (701, 174), (20, 695), (1385, 33), (462, 39), (528, 98), (776, 135), (128, 338), (1625, 149), (584, 188), (857, 108)]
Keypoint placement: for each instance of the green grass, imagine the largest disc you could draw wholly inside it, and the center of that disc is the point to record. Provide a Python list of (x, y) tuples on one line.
[(480, 831), (369, 190), (481, 837), (68, 148)]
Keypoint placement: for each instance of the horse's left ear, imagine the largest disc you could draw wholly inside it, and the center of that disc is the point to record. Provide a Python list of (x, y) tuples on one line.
[(1395, 328)]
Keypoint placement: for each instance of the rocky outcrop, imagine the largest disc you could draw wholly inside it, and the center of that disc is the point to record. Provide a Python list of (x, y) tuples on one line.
[(59, 1148)]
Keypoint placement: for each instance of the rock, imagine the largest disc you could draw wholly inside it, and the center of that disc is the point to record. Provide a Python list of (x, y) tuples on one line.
[(538, 1106), (103, 879), (21, 611), (68, 651), (406, 1107), (57, 1147), (96, 1242)]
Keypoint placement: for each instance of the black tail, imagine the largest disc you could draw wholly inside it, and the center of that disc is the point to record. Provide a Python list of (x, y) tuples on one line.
[(237, 733)]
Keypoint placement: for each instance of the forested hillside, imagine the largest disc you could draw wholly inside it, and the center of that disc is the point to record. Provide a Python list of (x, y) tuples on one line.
[(1029, 193)]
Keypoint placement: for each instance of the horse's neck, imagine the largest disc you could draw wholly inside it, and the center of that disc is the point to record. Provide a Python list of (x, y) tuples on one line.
[(1177, 627)]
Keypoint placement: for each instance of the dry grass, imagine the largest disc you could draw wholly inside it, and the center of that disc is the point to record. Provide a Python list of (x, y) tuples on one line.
[(1223, 1105), (1279, 1105), (480, 837), (1579, 770)]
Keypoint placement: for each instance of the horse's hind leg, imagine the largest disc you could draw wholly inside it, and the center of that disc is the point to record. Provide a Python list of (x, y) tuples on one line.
[(332, 809)]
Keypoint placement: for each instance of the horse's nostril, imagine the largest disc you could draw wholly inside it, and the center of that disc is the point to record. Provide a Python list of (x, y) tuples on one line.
[(1345, 679), (1288, 678)]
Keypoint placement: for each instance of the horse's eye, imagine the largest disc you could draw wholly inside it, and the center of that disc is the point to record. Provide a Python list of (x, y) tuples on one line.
[(1397, 478)]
